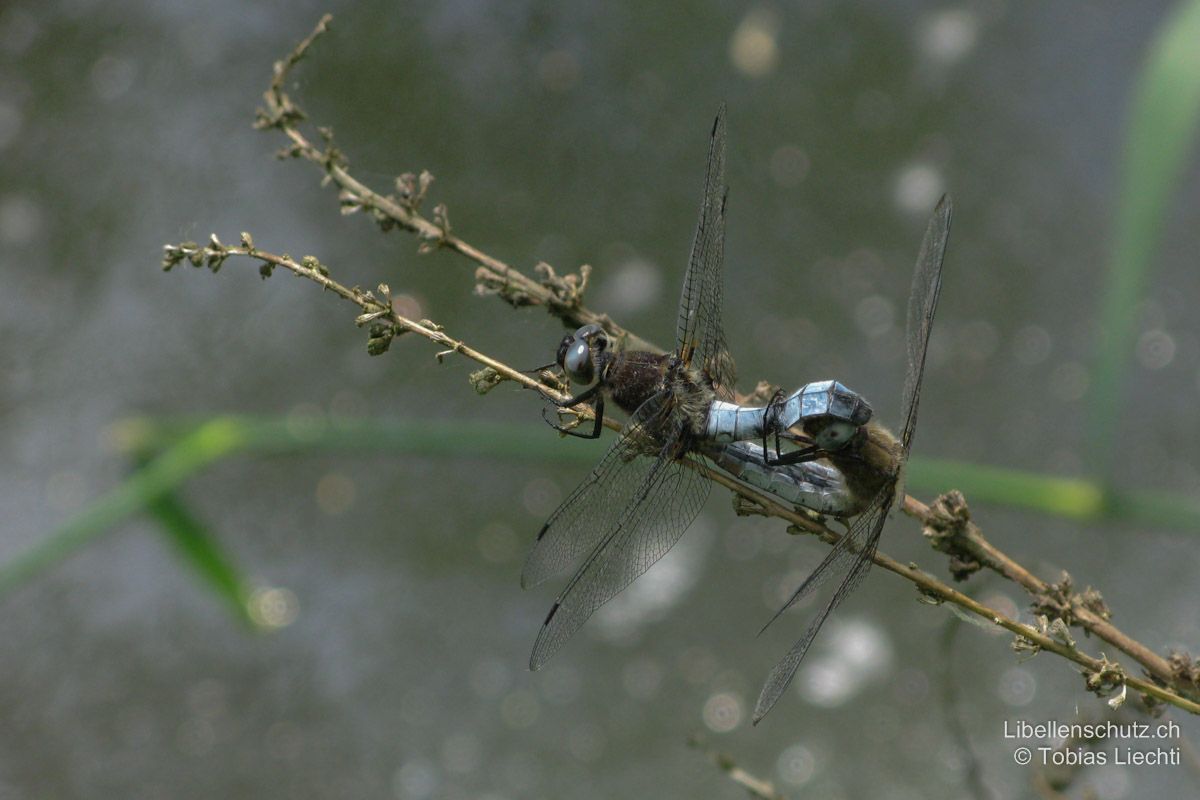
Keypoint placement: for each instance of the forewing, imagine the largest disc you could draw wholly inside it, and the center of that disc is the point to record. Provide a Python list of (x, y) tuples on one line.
[(699, 325), (596, 505), (661, 509), (856, 563), (922, 303)]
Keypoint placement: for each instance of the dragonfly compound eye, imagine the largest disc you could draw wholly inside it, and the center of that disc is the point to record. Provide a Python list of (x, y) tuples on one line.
[(594, 334), (577, 361), (563, 347), (835, 435)]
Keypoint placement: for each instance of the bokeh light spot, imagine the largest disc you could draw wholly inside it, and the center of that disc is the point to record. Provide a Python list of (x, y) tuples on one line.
[(950, 35), (918, 187), (1156, 349), (112, 77), (723, 712), (796, 765), (1032, 345), (754, 48), (541, 496), (273, 607), (1016, 686), (789, 165)]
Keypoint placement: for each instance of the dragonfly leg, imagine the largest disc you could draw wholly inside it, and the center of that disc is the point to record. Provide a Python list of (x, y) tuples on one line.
[(772, 425), (809, 453), (597, 410)]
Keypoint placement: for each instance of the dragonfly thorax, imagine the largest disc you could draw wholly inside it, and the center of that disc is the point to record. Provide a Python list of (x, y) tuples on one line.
[(631, 377), (692, 397)]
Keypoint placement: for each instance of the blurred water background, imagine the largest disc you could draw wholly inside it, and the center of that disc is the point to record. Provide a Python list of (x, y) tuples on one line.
[(570, 133)]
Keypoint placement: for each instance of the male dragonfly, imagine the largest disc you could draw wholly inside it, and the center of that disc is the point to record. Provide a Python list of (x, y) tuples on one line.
[(648, 488), (870, 465)]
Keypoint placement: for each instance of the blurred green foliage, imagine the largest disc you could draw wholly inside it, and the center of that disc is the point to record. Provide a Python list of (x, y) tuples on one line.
[(1159, 142)]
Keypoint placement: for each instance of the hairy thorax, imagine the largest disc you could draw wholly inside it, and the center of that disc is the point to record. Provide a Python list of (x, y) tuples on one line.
[(869, 462), (632, 377), (692, 397)]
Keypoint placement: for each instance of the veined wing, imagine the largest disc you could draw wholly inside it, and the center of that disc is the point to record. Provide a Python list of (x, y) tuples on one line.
[(860, 543), (922, 303), (650, 523), (596, 505), (699, 324), (837, 561), (853, 553)]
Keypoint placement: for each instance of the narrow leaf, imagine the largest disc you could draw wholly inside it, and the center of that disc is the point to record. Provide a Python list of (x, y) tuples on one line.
[(201, 552), (1162, 130)]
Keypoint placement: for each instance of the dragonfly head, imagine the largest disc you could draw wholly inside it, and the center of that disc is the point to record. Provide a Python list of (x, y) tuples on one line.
[(834, 414), (830, 433), (577, 351)]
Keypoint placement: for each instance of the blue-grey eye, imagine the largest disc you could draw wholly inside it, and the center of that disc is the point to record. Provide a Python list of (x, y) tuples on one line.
[(588, 331), (835, 435), (578, 361), (593, 334), (560, 357)]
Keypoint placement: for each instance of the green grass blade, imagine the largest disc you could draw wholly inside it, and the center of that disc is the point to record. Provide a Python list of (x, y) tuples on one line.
[(189, 446), (205, 444), (201, 552), (1162, 129), (174, 451), (1072, 498), (422, 438), (1064, 497)]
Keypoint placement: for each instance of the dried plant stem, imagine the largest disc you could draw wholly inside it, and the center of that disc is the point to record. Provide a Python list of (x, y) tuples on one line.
[(1090, 617), (755, 786), (1106, 673), (933, 588), (556, 295), (373, 308)]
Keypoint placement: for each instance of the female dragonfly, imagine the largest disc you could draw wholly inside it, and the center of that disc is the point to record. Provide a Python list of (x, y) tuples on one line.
[(651, 484)]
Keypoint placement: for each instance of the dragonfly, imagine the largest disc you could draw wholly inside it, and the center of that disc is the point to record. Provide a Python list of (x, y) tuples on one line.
[(650, 485), (863, 478)]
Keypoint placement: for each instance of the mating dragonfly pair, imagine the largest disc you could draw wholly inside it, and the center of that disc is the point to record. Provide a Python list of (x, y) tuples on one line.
[(651, 484)]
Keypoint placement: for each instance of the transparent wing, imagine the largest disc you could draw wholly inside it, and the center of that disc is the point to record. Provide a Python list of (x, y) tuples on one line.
[(669, 498), (852, 553), (699, 325), (922, 303), (596, 505), (837, 561), (869, 522)]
